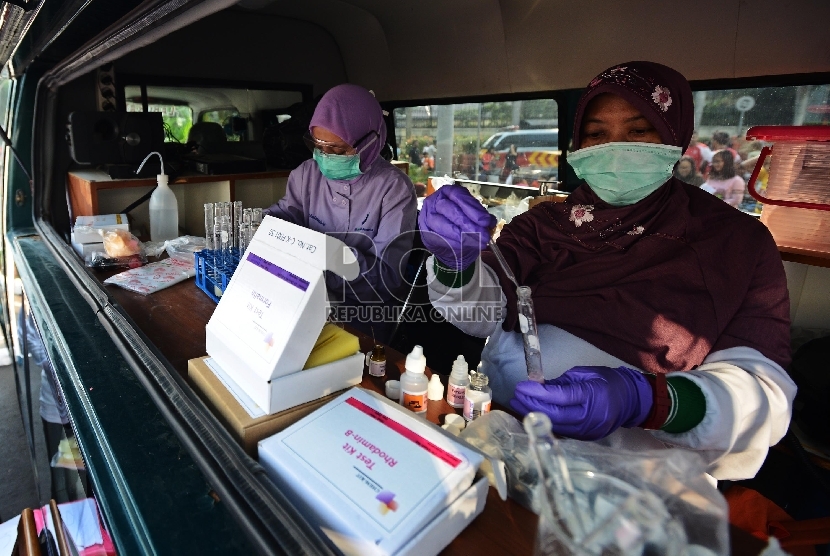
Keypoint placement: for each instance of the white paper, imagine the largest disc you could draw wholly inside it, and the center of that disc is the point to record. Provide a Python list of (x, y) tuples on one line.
[(80, 520), (8, 535)]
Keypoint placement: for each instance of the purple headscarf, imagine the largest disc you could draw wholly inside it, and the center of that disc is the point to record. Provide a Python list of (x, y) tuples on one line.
[(660, 93), (350, 112)]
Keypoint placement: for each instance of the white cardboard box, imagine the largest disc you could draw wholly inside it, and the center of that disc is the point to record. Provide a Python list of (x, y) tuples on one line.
[(272, 312), (376, 477), (436, 535), (84, 249), (86, 227)]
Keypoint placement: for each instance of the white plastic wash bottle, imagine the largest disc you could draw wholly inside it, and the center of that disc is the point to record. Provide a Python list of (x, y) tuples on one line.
[(164, 208)]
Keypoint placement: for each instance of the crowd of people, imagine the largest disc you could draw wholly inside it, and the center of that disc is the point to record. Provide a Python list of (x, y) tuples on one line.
[(717, 167), (490, 163)]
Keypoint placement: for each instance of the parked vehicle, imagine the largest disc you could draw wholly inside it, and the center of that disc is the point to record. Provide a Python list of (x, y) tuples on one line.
[(537, 149)]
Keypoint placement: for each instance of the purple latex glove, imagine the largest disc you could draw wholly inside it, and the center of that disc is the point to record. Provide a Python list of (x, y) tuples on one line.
[(588, 403), (454, 226)]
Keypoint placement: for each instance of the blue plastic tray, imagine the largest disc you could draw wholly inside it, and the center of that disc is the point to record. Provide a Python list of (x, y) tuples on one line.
[(213, 272)]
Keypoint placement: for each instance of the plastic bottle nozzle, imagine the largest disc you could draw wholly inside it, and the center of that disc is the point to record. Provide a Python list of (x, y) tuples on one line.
[(435, 389), (415, 361)]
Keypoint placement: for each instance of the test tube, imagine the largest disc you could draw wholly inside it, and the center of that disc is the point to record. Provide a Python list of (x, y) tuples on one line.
[(244, 237), (221, 240), (209, 226), (530, 335), (237, 222), (256, 218)]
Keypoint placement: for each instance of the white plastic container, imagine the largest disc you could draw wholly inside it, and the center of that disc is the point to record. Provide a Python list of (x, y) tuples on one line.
[(478, 397), (164, 208), (457, 384), (797, 198), (164, 212), (414, 383)]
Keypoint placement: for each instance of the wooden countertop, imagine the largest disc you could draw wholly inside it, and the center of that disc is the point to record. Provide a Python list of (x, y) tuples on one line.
[(174, 320), (102, 180)]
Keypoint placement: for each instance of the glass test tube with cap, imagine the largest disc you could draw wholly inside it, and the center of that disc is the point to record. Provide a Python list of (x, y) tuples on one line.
[(530, 335), (527, 321), (209, 226), (237, 223)]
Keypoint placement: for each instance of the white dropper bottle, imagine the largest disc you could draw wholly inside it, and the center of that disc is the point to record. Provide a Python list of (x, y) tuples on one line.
[(457, 383), (414, 383), (164, 209)]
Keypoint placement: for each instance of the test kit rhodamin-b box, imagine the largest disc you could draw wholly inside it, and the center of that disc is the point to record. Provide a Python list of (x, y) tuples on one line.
[(376, 478)]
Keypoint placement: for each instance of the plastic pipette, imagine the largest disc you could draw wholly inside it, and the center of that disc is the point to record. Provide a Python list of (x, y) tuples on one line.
[(527, 321)]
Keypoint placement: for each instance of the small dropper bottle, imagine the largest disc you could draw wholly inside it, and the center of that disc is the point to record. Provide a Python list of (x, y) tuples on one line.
[(457, 383), (377, 361), (414, 383), (477, 397)]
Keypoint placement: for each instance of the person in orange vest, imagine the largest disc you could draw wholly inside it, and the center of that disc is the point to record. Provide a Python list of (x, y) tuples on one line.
[(429, 161)]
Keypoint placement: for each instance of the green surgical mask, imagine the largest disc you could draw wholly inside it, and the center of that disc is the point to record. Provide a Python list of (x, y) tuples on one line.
[(624, 173), (340, 166)]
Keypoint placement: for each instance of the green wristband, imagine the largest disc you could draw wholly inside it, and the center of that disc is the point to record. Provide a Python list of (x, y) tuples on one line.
[(453, 278), (688, 405)]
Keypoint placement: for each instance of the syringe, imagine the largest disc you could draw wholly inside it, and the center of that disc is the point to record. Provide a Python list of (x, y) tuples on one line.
[(527, 321)]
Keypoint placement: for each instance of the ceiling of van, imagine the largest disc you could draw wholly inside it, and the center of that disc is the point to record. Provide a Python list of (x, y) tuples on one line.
[(436, 48)]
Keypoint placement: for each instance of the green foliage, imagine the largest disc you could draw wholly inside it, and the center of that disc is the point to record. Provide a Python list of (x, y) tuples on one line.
[(177, 119), (465, 144), (542, 108), (496, 114), (417, 174)]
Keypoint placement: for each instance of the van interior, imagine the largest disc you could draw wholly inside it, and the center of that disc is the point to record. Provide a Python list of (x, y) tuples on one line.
[(236, 82)]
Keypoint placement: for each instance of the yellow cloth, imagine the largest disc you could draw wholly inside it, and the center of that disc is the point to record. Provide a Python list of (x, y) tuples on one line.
[(333, 344)]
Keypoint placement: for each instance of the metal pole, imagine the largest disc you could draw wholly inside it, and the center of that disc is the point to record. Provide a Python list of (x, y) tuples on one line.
[(478, 142)]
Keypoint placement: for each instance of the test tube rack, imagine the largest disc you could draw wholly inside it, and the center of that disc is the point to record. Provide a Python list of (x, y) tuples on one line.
[(214, 271)]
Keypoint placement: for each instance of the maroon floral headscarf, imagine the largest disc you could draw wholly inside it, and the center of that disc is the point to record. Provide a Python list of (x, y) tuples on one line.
[(663, 282)]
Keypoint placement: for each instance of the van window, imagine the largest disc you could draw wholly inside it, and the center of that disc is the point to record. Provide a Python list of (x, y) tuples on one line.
[(230, 107), (222, 117), (726, 115), (177, 115), (454, 139), (177, 119)]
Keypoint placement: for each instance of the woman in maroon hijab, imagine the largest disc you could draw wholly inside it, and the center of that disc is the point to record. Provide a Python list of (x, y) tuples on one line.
[(663, 312)]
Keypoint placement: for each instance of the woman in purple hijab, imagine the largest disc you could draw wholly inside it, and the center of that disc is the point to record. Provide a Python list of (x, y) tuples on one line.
[(663, 312), (349, 192)]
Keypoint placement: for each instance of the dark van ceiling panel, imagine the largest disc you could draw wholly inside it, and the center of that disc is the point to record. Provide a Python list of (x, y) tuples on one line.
[(243, 46), (437, 48)]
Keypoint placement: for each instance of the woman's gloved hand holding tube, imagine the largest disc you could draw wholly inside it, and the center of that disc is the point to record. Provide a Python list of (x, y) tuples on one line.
[(454, 226), (588, 403)]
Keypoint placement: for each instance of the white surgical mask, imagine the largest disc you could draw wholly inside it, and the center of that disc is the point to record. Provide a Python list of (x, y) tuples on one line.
[(623, 173)]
